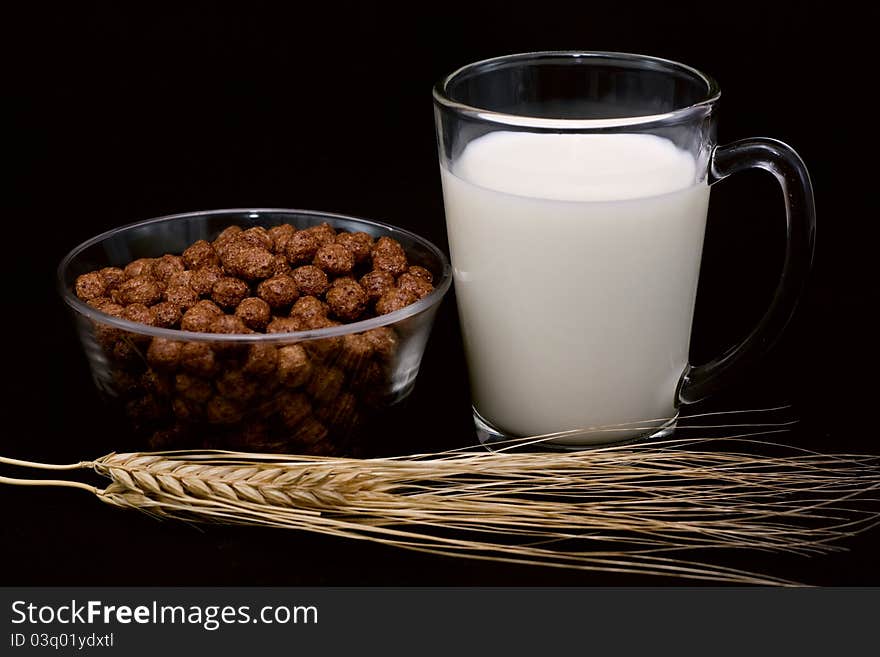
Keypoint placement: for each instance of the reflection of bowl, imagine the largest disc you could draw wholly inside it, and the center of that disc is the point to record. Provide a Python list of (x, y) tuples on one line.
[(240, 401)]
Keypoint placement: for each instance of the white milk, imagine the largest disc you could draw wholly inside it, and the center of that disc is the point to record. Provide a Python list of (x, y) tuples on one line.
[(576, 260)]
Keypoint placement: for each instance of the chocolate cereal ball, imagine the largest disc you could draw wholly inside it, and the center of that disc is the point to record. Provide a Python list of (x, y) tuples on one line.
[(421, 272), (226, 236), (228, 324), (394, 299), (310, 311), (376, 283), (334, 259), (310, 280), (164, 354), (107, 306), (209, 306), (97, 302), (167, 314), (198, 319), (324, 349), (392, 263), (418, 286), (113, 277), (90, 286), (228, 292), (139, 313), (157, 383), (204, 279), (107, 335), (140, 289), (388, 245), (181, 296), (198, 359), (284, 325), (167, 266), (383, 340), (360, 244), (125, 351), (324, 232), (244, 260), (280, 265), (139, 267), (254, 312), (280, 235), (355, 350), (278, 291), (183, 278), (388, 255), (347, 299), (293, 367), (200, 254), (261, 360), (301, 247), (256, 236)]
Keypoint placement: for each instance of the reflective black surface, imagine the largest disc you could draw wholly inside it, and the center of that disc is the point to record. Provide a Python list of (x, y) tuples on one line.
[(121, 115)]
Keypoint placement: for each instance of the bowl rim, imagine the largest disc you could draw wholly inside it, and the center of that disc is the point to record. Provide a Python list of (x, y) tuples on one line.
[(82, 308)]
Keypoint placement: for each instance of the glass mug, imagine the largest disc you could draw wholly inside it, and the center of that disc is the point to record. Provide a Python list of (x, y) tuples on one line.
[(575, 187)]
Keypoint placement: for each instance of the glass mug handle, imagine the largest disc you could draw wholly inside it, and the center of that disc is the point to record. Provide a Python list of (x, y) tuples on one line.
[(785, 164)]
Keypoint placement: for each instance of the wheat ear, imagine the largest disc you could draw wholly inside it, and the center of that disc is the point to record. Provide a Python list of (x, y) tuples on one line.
[(622, 508)]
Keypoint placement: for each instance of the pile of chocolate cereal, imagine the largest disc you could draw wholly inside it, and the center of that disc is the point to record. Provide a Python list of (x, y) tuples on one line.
[(290, 396)]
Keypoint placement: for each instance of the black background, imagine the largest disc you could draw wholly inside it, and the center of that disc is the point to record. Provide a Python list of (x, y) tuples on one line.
[(124, 113)]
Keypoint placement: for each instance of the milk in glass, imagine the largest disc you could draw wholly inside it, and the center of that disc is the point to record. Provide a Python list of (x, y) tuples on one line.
[(576, 258)]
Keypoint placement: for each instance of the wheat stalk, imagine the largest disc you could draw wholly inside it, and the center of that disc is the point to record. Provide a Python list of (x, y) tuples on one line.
[(630, 508)]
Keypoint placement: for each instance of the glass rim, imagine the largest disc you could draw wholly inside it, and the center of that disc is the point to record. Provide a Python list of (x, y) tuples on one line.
[(82, 308), (441, 97)]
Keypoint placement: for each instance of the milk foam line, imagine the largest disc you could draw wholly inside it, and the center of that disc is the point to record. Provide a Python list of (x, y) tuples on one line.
[(576, 167)]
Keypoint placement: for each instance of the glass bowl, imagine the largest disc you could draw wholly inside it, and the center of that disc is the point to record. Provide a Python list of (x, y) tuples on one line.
[(204, 390)]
